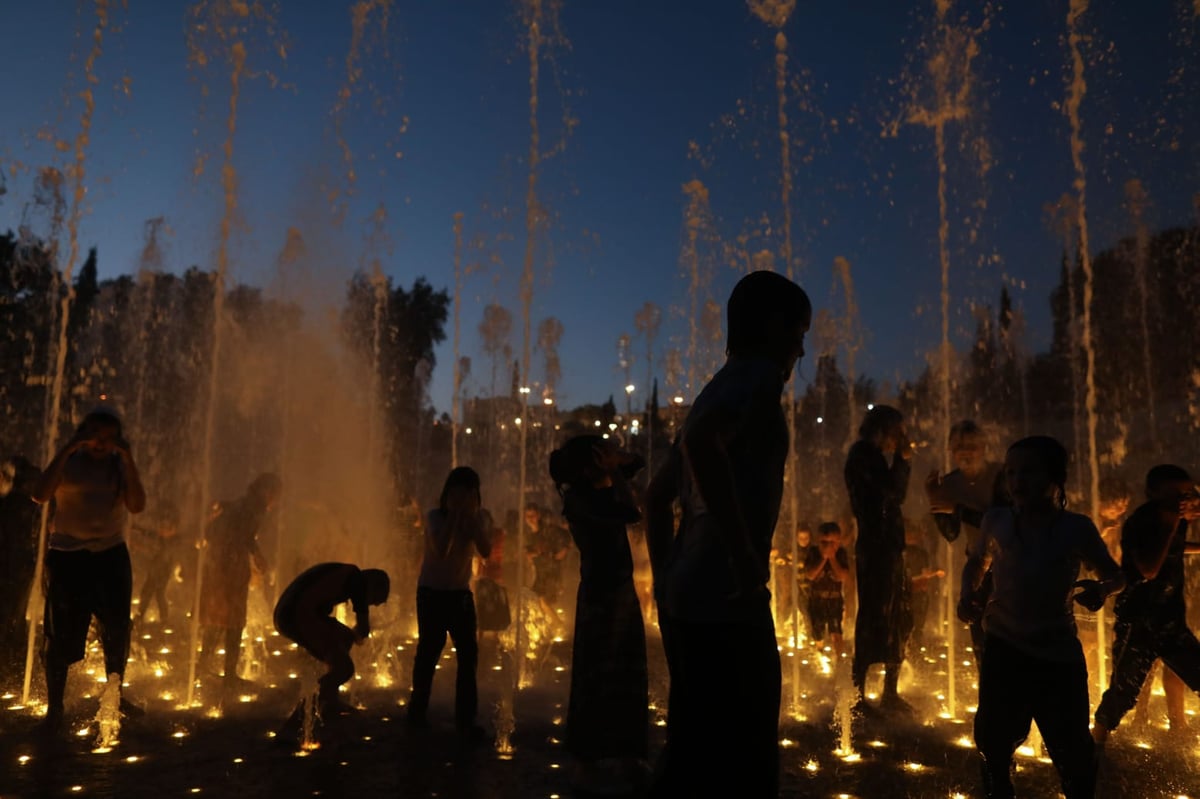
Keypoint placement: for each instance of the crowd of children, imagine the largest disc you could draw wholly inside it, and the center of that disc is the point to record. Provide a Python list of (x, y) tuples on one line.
[(710, 515)]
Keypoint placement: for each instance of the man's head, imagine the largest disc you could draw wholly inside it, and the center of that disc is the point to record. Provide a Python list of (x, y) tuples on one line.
[(884, 426), (1035, 470), (829, 535), (1170, 487), (378, 586), (101, 431), (266, 489), (768, 316), (968, 447)]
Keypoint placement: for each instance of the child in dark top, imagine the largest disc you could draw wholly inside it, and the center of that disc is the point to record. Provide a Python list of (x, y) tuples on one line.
[(827, 567), (877, 491), (959, 499), (547, 545), (159, 555), (1033, 665), (1152, 612), (232, 541), (922, 577), (304, 614), (607, 718)]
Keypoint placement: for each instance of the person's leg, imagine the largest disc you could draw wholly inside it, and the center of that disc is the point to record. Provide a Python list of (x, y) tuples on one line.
[(866, 624), (66, 618), (695, 725), (113, 592), (1003, 716), (330, 642), (1133, 655), (891, 682), (1061, 713), (210, 638), (431, 638), (461, 625), (1181, 653), (756, 737), (162, 577), (1141, 712), (233, 650)]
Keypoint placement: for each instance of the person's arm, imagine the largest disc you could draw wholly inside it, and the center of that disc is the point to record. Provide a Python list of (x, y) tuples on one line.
[(660, 512), (356, 588), (46, 484), (1149, 546), (840, 570), (704, 451), (971, 516), (483, 534), (260, 560), (927, 575), (949, 525), (1093, 551), (135, 492), (813, 566), (979, 560)]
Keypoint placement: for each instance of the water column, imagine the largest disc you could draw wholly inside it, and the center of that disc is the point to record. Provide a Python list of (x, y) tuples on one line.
[(949, 81), (1076, 90), (533, 16), (775, 13), (237, 62), (458, 287), (77, 173), (1135, 195)]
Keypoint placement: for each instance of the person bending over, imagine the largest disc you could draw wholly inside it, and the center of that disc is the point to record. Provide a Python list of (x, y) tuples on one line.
[(304, 614)]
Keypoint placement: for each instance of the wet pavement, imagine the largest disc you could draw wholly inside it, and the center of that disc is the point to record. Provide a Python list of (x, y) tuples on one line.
[(173, 751)]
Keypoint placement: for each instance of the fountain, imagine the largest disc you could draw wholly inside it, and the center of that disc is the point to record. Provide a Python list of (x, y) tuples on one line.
[(222, 15), (78, 175), (1076, 89)]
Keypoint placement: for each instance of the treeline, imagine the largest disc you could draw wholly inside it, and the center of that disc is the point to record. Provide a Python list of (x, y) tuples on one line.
[(145, 344)]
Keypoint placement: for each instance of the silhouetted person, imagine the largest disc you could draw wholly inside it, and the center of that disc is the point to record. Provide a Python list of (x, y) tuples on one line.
[(923, 579), (19, 520), (94, 484), (454, 532), (547, 545), (607, 717), (959, 499), (304, 614), (725, 673), (232, 541), (877, 489), (1033, 665), (1152, 611), (159, 553)]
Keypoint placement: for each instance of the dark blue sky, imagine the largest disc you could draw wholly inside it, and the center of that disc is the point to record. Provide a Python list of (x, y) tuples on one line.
[(643, 79)]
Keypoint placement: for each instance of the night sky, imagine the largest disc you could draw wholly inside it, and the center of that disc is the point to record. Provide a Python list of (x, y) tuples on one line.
[(447, 87)]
